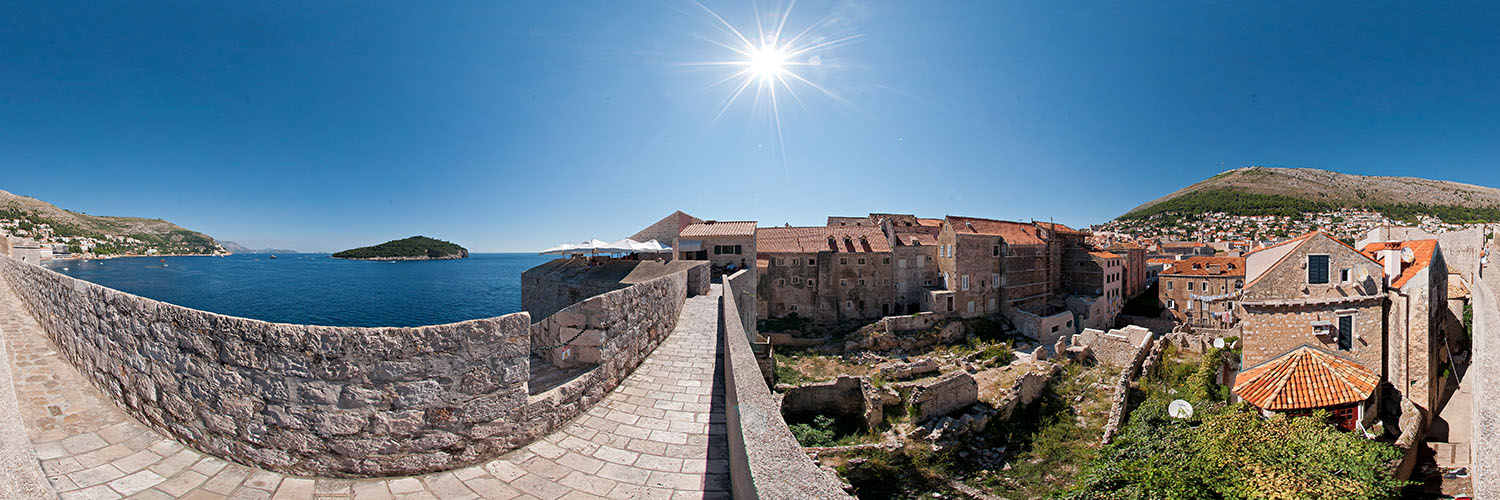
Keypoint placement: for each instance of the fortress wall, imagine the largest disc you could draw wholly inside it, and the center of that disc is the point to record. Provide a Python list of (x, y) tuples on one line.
[(332, 401)]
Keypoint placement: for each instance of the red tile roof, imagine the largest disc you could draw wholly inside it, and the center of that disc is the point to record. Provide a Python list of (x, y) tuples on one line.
[(1058, 228), (849, 239), (1014, 233), (1305, 378), (1104, 255), (1183, 244), (1200, 266), (719, 228), (1422, 250)]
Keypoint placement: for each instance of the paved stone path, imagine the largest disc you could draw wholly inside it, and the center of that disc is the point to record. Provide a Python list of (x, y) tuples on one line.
[(660, 434)]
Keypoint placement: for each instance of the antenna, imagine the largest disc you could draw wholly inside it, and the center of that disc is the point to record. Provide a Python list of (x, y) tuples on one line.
[(1180, 409)]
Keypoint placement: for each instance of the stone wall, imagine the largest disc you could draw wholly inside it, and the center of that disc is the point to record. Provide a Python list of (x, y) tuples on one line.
[(1116, 347), (329, 401), (698, 280), (949, 393), (1484, 373), (765, 460), (1120, 399), (848, 396)]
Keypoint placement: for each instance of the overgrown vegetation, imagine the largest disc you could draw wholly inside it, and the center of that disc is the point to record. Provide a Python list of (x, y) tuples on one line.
[(1229, 451), (1242, 203), (823, 430), (415, 246), (1469, 320)]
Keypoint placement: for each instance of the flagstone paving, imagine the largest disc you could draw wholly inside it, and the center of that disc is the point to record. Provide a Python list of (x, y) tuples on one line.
[(660, 434)]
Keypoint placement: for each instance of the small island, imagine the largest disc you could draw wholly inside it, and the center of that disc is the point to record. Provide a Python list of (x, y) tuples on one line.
[(413, 248)]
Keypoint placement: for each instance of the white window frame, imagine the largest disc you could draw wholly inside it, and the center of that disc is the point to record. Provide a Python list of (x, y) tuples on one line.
[(964, 282)]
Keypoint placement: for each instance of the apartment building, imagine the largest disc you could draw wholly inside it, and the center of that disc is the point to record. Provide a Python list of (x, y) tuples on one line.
[(827, 274), (1203, 291)]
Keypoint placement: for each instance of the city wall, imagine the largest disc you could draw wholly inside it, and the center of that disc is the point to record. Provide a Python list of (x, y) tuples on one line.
[(765, 460), (332, 401), (1485, 450)]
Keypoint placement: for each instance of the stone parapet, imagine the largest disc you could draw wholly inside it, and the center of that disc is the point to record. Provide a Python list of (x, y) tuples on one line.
[(1485, 448), (765, 460), (331, 401)]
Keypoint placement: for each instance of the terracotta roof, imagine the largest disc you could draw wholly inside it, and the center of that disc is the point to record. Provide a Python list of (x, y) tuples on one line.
[(1015, 233), (1161, 261), (1124, 246), (719, 228), (1305, 378), (1200, 266), (1104, 255), (1421, 249), (849, 239), (1183, 244), (1058, 228)]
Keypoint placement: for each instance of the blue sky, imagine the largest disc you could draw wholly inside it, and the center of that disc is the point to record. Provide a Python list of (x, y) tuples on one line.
[(511, 126)]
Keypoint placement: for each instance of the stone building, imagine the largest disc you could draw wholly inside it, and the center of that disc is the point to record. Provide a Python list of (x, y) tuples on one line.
[(1203, 291), (1134, 258), (666, 230), (1092, 282), (1178, 250), (992, 266), (914, 247), (828, 274), (28, 251), (727, 245), (1416, 284), (1313, 306)]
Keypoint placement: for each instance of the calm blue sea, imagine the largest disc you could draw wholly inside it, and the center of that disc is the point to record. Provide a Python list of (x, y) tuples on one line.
[(315, 289)]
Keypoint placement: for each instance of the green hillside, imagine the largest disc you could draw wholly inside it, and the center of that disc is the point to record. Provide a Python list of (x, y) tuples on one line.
[(413, 248)]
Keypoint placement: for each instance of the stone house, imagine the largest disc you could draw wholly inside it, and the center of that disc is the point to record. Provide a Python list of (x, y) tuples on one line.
[(1179, 250), (1134, 258), (1417, 287), (992, 266), (1093, 282), (827, 274), (28, 251), (727, 245), (1203, 291), (666, 230), (914, 247), (1313, 307)]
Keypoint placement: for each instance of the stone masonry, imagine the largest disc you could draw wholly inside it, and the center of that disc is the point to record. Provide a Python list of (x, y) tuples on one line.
[(653, 437), (313, 400)]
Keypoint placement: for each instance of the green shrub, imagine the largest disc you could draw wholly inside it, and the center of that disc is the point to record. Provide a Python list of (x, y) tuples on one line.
[(819, 433)]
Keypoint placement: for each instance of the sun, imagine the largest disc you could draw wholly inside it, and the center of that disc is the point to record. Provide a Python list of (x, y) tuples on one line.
[(767, 62)]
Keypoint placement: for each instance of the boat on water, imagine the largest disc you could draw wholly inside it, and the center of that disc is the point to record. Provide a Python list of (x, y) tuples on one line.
[(164, 263), (273, 255)]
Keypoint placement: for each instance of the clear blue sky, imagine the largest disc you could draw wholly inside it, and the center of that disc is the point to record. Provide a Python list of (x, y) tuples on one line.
[(512, 126)]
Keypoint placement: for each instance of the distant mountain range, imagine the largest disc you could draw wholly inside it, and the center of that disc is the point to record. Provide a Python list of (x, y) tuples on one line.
[(233, 247), (165, 237), (1289, 191)]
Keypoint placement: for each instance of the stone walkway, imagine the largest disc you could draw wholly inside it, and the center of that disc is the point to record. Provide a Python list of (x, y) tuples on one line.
[(660, 434)]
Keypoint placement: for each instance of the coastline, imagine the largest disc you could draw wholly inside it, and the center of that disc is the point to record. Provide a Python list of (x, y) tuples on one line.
[(107, 257), (448, 257)]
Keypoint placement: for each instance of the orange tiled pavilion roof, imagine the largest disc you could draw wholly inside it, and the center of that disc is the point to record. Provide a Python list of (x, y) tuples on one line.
[(1305, 378)]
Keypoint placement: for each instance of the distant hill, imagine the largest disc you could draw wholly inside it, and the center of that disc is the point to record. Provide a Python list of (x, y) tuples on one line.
[(238, 248), (413, 248), (1290, 191), (165, 237)]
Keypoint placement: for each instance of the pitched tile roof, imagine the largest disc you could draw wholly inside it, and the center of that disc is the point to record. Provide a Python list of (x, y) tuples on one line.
[(1015, 233), (1298, 241), (719, 228), (1305, 378), (1058, 228), (848, 239), (1104, 255), (1422, 251), (1200, 266), (1124, 246)]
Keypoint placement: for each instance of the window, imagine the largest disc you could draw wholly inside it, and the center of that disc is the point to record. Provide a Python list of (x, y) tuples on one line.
[(886, 261), (1171, 304), (843, 282), (964, 282), (926, 282), (796, 280), (1190, 286), (901, 263), (780, 261), (861, 282), (971, 306), (811, 282), (1054, 328), (921, 261), (812, 262), (997, 251), (1070, 323), (1344, 275), (861, 261), (992, 304), (781, 282), (1317, 269), (849, 304), (1346, 332), (1205, 287), (843, 261), (1169, 284), (794, 307), (796, 262), (736, 249)]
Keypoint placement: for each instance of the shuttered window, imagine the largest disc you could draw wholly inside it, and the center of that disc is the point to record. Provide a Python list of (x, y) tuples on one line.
[(1317, 269), (1346, 332)]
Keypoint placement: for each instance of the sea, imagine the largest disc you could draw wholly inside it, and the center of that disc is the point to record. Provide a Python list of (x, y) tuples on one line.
[(319, 290)]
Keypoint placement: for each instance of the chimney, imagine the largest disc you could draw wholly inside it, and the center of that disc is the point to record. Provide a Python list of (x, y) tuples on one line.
[(1392, 260)]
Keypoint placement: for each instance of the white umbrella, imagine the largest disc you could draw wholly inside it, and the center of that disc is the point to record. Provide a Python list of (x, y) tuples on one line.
[(558, 249), (653, 246)]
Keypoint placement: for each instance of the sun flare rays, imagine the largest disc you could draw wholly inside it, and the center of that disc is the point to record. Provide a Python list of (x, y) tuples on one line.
[(768, 65)]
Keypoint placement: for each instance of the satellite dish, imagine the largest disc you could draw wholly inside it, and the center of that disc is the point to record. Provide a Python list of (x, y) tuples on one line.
[(1407, 255), (1218, 343), (1180, 409)]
